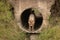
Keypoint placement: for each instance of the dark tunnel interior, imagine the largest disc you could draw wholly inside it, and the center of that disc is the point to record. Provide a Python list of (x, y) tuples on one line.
[(24, 19), (38, 22)]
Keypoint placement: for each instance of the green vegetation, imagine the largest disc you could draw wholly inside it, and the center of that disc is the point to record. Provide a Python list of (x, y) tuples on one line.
[(10, 31), (50, 33), (8, 28)]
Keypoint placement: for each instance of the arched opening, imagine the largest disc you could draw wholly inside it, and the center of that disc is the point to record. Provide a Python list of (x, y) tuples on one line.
[(25, 16)]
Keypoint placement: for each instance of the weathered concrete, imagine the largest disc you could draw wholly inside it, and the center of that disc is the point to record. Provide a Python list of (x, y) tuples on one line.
[(43, 6)]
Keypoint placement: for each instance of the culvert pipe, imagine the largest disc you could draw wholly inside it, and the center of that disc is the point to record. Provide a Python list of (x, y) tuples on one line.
[(24, 20)]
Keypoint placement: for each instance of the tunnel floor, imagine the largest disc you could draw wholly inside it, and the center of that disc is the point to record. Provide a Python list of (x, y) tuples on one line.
[(24, 19)]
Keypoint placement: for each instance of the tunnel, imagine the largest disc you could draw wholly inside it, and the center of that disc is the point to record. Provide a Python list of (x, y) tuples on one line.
[(24, 19)]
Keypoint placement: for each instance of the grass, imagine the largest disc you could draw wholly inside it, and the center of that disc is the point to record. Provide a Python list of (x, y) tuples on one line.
[(50, 34), (8, 27)]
